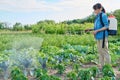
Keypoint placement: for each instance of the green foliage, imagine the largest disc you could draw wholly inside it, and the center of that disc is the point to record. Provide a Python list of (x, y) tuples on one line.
[(61, 28), (42, 75), (60, 68), (38, 73), (47, 77), (5, 42), (17, 27), (27, 27), (50, 49), (61, 50), (1, 26), (5, 26), (94, 71), (72, 76), (16, 74), (108, 78), (90, 58), (76, 67), (108, 71), (60, 40), (116, 13), (88, 19), (35, 29), (80, 48), (54, 78), (50, 27), (3, 57), (84, 74)]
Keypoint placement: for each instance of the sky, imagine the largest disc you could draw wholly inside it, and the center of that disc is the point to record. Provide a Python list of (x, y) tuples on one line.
[(32, 11)]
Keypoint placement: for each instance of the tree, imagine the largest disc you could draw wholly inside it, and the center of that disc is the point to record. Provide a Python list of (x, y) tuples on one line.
[(47, 21), (1, 25), (5, 25), (35, 28), (117, 14), (17, 27), (27, 27)]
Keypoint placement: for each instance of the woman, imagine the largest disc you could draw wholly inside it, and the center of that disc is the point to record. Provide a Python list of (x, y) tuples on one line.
[(99, 31)]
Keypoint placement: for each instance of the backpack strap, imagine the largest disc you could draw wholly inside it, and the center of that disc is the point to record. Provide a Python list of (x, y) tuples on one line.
[(103, 43)]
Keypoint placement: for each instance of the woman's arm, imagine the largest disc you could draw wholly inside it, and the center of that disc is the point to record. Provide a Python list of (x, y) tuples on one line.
[(106, 24), (99, 30), (87, 30)]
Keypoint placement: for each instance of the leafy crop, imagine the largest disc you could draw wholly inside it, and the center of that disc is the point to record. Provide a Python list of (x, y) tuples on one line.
[(60, 68), (84, 74), (108, 71), (16, 74), (72, 76)]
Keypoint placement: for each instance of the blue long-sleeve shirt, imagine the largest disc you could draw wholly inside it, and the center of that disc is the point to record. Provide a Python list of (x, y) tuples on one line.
[(98, 25)]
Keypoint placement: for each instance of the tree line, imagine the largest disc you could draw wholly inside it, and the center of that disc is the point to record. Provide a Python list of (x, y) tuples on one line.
[(51, 27)]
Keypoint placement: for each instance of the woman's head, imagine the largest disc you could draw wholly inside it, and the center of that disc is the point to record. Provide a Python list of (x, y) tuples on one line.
[(98, 8)]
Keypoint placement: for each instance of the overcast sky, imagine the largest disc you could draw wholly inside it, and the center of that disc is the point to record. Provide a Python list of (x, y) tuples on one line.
[(32, 11)]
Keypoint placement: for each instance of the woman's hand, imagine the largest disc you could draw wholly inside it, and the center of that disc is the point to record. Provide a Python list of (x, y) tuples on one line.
[(95, 32), (87, 30)]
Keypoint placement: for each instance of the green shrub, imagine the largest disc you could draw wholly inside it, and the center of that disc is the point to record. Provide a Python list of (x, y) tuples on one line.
[(107, 78), (54, 78), (35, 29), (60, 68), (16, 74), (72, 76), (94, 71), (90, 58), (76, 67), (84, 74), (38, 73), (108, 71)]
